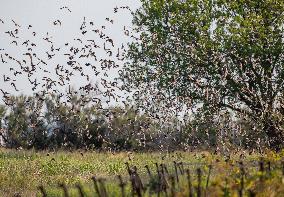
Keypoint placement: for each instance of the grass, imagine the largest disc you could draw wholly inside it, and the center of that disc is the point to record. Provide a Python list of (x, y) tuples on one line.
[(23, 171)]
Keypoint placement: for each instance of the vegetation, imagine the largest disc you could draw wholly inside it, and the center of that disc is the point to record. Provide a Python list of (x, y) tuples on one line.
[(49, 169), (223, 55), (205, 75), (202, 112), (50, 123)]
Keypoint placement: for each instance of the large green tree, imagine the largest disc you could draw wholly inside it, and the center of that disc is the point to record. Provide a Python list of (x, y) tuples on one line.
[(225, 54)]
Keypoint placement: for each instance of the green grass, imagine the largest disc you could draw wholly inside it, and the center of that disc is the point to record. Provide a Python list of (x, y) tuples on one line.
[(23, 171)]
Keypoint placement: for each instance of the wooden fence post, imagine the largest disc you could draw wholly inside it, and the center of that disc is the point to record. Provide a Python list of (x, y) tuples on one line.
[(199, 182), (189, 183)]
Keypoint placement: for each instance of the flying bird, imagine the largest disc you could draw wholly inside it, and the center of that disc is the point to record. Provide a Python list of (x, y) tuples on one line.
[(65, 7)]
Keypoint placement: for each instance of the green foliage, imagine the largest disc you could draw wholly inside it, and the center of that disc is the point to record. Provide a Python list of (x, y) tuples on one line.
[(77, 125), (51, 123), (23, 171), (23, 126), (129, 129), (2, 115), (17, 130), (224, 54)]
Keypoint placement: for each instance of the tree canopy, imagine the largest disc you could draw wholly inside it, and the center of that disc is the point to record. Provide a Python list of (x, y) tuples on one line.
[(223, 54)]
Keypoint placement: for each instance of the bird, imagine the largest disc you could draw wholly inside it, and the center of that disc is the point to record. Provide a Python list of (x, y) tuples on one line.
[(16, 24), (26, 43), (57, 22), (2, 59), (6, 78), (65, 7), (5, 93), (13, 84)]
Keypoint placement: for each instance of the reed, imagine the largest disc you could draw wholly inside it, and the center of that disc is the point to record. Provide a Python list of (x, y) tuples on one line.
[(190, 189), (199, 174), (64, 188)]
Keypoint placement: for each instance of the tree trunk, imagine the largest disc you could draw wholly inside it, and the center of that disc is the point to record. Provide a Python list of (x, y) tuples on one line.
[(275, 135)]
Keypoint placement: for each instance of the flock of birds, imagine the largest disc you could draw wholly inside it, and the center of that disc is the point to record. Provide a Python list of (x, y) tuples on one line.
[(93, 60)]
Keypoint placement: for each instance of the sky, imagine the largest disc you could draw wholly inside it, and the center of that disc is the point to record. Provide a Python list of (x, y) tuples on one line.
[(39, 16)]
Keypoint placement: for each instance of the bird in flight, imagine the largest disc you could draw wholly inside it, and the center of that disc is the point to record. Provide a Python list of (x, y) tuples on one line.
[(65, 7)]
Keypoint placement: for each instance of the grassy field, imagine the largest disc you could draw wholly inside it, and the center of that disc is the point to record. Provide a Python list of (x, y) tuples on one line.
[(21, 172)]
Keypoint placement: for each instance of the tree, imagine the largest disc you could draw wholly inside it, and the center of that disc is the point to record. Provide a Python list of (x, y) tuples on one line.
[(76, 123), (2, 115), (17, 133), (128, 128), (37, 130), (24, 126), (225, 54)]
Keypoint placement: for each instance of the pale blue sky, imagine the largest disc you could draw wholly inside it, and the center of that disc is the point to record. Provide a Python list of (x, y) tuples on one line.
[(41, 14)]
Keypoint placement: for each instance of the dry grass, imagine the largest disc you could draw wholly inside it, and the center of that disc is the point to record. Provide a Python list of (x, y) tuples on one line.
[(23, 171)]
